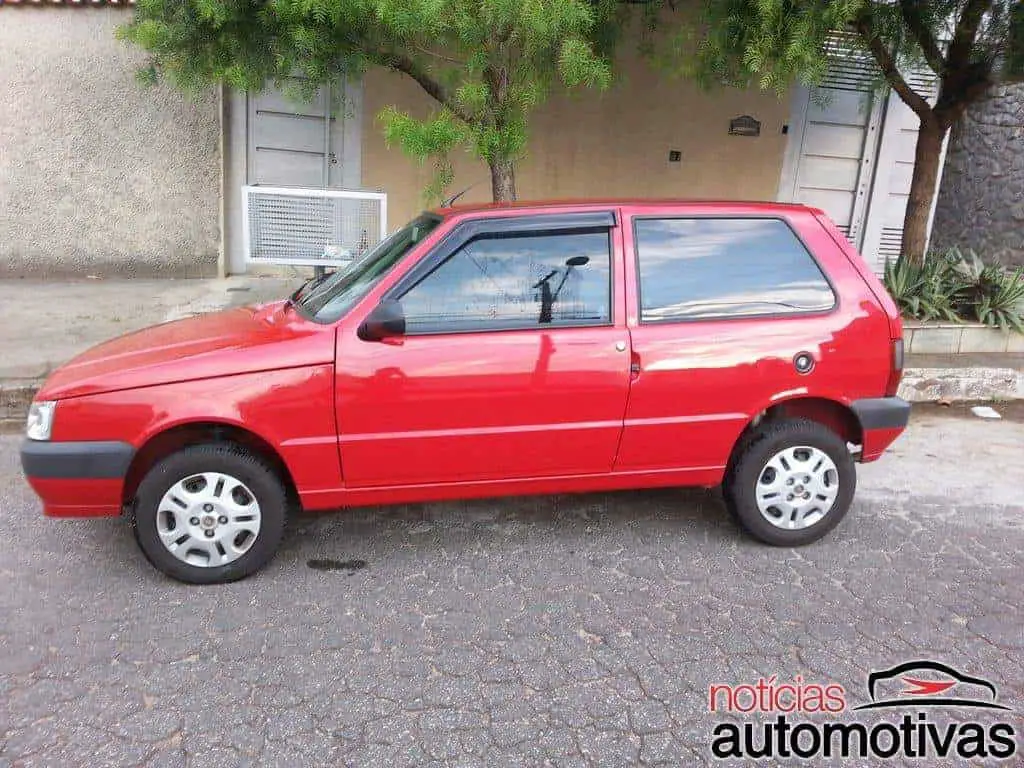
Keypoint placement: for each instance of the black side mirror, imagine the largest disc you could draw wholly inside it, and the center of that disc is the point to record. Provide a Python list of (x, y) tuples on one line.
[(387, 320)]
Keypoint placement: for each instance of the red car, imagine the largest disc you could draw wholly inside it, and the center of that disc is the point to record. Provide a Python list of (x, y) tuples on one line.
[(489, 351)]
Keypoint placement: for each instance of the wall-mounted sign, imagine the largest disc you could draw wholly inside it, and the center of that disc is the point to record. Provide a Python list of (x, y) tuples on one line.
[(744, 125)]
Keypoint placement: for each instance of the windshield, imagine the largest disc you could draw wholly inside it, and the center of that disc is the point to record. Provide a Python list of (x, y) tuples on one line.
[(330, 298)]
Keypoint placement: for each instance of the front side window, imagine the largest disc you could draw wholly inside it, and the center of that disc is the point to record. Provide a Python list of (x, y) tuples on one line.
[(516, 281), (711, 267)]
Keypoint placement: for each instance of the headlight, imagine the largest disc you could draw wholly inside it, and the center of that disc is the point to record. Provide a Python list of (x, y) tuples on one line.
[(40, 420)]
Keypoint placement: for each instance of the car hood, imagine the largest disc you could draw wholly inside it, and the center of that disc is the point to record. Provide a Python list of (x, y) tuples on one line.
[(234, 341)]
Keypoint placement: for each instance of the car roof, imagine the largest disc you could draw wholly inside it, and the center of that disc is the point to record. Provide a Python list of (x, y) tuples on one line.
[(685, 204)]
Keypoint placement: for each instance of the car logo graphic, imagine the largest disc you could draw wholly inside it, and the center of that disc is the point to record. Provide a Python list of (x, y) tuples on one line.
[(927, 690)]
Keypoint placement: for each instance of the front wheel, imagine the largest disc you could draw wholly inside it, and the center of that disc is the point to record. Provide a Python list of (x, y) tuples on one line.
[(209, 514), (792, 482)]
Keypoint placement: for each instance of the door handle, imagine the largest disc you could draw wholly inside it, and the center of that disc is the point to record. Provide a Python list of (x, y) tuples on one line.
[(620, 346)]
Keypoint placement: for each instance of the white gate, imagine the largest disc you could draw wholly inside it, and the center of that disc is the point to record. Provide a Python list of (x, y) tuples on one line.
[(883, 230)]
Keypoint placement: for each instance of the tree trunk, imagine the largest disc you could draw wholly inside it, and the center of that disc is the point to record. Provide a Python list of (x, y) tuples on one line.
[(922, 189), (503, 181)]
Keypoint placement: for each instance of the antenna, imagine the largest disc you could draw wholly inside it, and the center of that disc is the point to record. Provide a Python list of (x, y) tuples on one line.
[(448, 203)]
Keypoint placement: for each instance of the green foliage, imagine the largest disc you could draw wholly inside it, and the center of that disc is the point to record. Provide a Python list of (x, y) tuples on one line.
[(768, 43), (487, 63), (922, 291), (954, 286), (432, 139), (773, 43), (989, 293)]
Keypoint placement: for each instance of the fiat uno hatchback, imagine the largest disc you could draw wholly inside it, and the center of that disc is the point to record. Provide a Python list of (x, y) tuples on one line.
[(490, 351)]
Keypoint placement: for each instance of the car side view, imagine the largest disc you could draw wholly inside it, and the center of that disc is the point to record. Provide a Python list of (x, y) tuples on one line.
[(486, 351)]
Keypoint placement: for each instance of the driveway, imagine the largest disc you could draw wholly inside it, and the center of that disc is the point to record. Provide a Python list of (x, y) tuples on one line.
[(568, 630)]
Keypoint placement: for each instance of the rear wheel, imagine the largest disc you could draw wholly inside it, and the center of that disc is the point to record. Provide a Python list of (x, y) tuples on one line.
[(792, 482), (210, 514)]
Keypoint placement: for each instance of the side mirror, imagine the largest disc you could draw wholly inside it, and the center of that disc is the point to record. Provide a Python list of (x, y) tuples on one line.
[(386, 321)]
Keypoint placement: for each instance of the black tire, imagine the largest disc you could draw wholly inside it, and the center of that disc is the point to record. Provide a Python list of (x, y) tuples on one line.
[(744, 471), (229, 459)]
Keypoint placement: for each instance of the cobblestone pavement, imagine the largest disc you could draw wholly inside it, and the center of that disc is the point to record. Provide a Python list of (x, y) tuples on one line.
[(568, 630)]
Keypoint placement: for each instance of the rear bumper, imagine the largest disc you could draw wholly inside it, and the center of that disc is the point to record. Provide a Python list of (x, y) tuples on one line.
[(882, 420), (77, 479)]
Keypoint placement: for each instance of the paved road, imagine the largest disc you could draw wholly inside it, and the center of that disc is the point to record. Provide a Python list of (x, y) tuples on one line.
[(556, 630)]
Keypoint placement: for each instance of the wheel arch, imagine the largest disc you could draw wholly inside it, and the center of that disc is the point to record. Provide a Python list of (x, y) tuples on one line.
[(835, 415), (174, 438)]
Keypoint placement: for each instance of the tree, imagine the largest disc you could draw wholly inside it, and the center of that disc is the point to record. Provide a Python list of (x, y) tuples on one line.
[(966, 43), (486, 63)]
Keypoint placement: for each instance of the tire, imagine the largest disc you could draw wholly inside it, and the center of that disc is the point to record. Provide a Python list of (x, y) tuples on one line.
[(759, 476), (221, 509)]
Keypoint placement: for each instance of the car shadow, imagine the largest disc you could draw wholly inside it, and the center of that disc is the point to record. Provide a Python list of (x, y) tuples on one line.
[(345, 539)]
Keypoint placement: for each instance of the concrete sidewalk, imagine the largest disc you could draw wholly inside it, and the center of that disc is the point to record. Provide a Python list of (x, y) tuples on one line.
[(45, 323)]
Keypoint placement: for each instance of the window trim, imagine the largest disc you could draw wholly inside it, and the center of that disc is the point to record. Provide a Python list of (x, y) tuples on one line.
[(778, 315), (470, 230)]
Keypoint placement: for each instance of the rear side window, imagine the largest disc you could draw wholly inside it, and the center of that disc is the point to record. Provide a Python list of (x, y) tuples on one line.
[(709, 267)]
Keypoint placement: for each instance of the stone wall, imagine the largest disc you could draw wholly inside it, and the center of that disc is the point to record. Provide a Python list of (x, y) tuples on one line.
[(99, 175), (981, 201)]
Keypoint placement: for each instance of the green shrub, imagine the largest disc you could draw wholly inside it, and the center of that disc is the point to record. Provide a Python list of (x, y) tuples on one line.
[(990, 294), (957, 286), (921, 291)]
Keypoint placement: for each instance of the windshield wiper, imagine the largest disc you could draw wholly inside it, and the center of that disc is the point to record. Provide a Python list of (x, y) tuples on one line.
[(309, 284)]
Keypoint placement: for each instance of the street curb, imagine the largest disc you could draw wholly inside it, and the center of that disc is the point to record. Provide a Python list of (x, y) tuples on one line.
[(929, 385), (919, 385)]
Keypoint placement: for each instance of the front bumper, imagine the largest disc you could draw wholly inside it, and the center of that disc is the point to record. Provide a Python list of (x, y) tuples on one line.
[(882, 420), (104, 459), (77, 479)]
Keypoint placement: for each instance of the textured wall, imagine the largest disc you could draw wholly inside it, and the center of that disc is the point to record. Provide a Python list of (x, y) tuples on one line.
[(99, 175), (981, 201)]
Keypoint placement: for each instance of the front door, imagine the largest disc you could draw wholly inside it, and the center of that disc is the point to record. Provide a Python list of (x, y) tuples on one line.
[(514, 365)]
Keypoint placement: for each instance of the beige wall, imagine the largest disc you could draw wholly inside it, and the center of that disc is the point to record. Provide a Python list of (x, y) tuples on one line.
[(614, 143), (99, 175)]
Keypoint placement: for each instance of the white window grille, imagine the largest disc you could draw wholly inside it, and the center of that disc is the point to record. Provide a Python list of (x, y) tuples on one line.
[(311, 227)]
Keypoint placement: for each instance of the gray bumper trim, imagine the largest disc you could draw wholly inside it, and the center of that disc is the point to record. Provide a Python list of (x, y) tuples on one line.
[(76, 460), (882, 412)]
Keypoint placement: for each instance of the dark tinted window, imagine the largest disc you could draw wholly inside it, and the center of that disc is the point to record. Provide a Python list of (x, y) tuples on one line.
[(725, 267), (516, 282)]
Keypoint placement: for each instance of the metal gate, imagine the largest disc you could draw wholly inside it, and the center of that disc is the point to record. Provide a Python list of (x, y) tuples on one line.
[(311, 227)]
